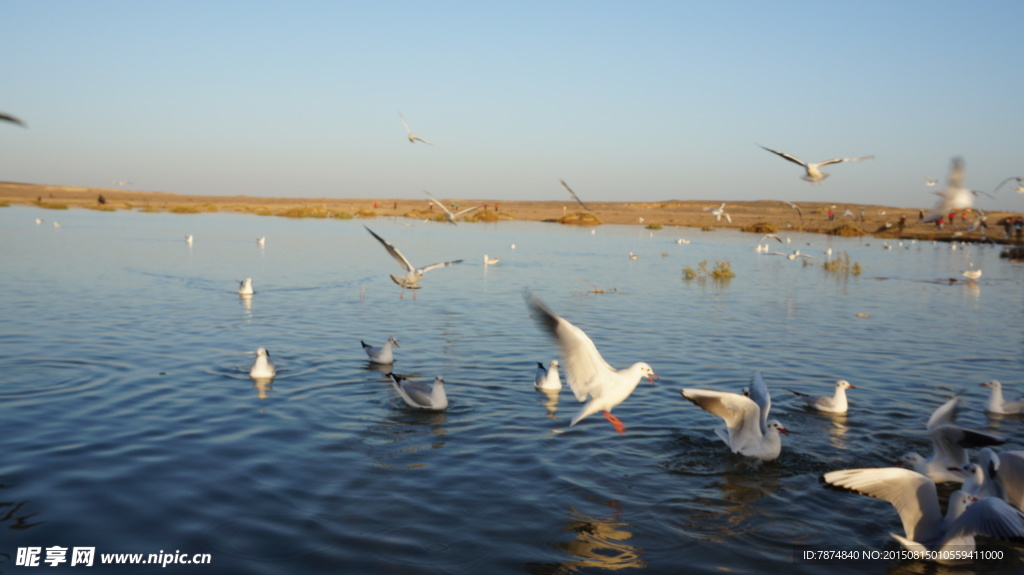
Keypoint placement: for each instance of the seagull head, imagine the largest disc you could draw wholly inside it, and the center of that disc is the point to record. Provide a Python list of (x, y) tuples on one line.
[(393, 341), (844, 384), (646, 371), (775, 425), (994, 384)]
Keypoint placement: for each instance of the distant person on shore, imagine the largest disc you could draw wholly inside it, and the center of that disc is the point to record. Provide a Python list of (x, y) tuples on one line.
[(920, 215), (938, 222), (903, 222), (101, 200), (831, 215), (862, 218), (952, 220)]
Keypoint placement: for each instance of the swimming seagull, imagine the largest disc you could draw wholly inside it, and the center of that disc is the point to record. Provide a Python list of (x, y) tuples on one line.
[(748, 430), (413, 276), (382, 354), (412, 137), (835, 403), (262, 368), (188, 239), (262, 241), (39, 221), (12, 119), (245, 287), (955, 196), (574, 196), (950, 443), (996, 403), (421, 396), (814, 175), (916, 500), (1020, 184), (490, 261), (588, 374), (719, 212), (547, 377), (448, 215), (972, 275)]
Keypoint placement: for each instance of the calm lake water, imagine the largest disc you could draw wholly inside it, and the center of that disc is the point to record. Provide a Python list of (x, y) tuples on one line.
[(128, 421)]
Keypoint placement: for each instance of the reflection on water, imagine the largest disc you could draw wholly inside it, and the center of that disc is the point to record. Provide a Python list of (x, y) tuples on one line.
[(262, 385), (119, 384), (550, 401)]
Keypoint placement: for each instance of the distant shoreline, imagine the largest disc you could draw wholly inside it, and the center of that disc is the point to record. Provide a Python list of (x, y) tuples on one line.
[(654, 215)]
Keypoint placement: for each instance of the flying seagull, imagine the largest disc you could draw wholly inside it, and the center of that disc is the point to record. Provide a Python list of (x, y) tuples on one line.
[(574, 196), (448, 215), (12, 119), (1020, 185), (814, 175), (929, 182), (799, 212), (412, 137), (955, 196), (413, 275), (719, 212)]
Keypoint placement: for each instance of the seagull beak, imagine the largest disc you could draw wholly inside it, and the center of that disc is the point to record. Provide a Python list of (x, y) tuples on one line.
[(653, 376), (984, 384), (783, 431)]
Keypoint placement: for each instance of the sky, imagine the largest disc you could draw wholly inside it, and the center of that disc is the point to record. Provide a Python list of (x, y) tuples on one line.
[(625, 101)]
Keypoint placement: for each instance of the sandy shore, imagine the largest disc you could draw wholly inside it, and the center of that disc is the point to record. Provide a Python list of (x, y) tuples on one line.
[(881, 221)]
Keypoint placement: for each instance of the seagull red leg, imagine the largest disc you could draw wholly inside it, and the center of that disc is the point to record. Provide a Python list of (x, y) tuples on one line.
[(615, 421)]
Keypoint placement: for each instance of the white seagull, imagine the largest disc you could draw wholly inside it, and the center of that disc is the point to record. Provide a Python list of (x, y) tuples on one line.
[(799, 212), (262, 241), (412, 137), (413, 276), (916, 500), (770, 237), (835, 403), (188, 239), (421, 396), (719, 212), (245, 287), (950, 443), (547, 377), (792, 256), (955, 197), (929, 182), (39, 221), (814, 175), (490, 261), (262, 368), (748, 430), (996, 403), (382, 354), (972, 274), (448, 215), (997, 475), (588, 374)]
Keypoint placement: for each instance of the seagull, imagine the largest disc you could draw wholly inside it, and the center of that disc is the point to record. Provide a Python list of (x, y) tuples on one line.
[(412, 137), (588, 374), (997, 475), (57, 225), (792, 256), (748, 430), (916, 500), (1020, 184), (413, 276), (770, 237), (448, 215), (799, 212), (419, 395), (680, 241), (547, 377), (382, 354), (929, 182), (122, 183), (245, 287), (262, 368), (12, 119), (972, 275), (188, 239), (814, 175), (574, 196), (719, 212), (39, 221), (996, 403), (633, 256), (950, 443), (490, 261), (262, 241), (834, 404), (955, 196)]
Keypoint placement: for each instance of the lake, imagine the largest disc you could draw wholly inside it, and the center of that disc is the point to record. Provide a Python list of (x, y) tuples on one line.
[(129, 422)]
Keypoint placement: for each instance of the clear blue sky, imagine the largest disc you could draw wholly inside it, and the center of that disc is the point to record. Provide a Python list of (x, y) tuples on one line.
[(624, 100)]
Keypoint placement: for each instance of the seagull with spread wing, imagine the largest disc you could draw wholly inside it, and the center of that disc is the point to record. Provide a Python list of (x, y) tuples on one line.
[(814, 175), (448, 215), (955, 197), (412, 137), (413, 274)]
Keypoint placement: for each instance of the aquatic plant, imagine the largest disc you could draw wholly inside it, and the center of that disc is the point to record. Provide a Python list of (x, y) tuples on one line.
[(840, 264), (760, 228), (366, 213), (51, 205), (305, 212), (184, 210), (846, 231), (654, 226), (580, 219), (720, 273), (707, 228)]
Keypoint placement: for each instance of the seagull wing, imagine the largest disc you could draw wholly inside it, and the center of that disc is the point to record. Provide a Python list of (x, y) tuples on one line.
[(574, 196), (945, 414), (952, 441), (438, 202), (426, 269), (1003, 183), (989, 516), (739, 413), (956, 174), (793, 159), (841, 160), (760, 396), (582, 363), (406, 124), (727, 216), (912, 494), (393, 251), (467, 210), (12, 119), (798, 210)]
